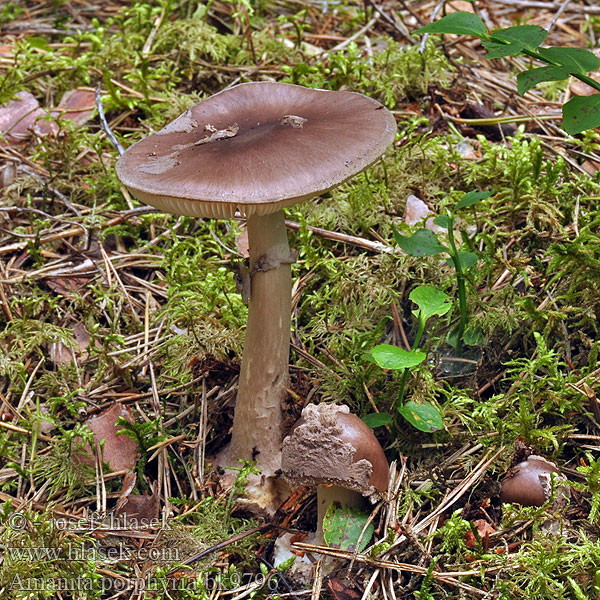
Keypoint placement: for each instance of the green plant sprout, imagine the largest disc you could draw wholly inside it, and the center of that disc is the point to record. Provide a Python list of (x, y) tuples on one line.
[(591, 472), (579, 113), (425, 243), (426, 417)]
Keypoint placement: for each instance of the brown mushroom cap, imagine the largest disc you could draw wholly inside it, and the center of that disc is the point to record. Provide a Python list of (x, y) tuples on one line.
[(331, 446), (529, 483), (256, 148)]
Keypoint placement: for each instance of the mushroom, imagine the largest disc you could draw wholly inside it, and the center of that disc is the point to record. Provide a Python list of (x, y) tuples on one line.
[(253, 150), (530, 483), (334, 450)]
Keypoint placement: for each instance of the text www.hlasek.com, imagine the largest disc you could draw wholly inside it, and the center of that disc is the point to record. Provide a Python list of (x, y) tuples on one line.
[(78, 552)]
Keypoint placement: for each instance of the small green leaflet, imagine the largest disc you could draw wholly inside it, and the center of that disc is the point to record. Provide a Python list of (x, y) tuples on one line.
[(577, 60), (442, 221), (37, 42), (425, 417), (461, 23), (430, 301), (343, 525), (422, 243), (452, 337), (500, 50), (526, 36), (528, 79), (471, 198), (581, 113), (377, 419), (467, 259), (473, 337), (392, 357)]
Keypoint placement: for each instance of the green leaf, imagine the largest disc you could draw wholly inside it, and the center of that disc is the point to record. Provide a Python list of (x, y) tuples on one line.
[(37, 42), (368, 356), (577, 60), (470, 198), (286, 564), (473, 337), (377, 419), (500, 50), (581, 113), (442, 221), (452, 338), (392, 357), (430, 301), (461, 23), (422, 243), (528, 79), (425, 417), (527, 36), (468, 259), (343, 525)]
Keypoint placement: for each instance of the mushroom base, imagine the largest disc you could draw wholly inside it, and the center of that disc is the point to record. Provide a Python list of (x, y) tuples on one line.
[(263, 495)]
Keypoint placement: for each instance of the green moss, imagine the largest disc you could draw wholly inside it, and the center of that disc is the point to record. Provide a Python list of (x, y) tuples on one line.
[(402, 72), (36, 557)]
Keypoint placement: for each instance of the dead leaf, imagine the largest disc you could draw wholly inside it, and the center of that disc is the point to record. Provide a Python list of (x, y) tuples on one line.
[(459, 6), (578, 88), (241, 243), (341, 591), (67, 286), (76, 105), (591, 167), (139, 507), (484, 529), (22, 116), (120, 451), (45, 425), (129, 481), (61, 354), (8, 174)]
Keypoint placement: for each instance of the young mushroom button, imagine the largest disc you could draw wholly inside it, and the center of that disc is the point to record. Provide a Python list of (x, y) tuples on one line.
[(251, 151), (336, 452), (530, 483)]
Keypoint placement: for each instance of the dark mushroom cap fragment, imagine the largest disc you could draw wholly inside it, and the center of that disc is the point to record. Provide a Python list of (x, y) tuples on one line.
[(331, 446), (530, 483), (256, 148)]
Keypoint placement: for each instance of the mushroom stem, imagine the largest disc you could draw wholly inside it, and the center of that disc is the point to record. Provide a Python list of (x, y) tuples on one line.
[(326, 496), (256, 433)]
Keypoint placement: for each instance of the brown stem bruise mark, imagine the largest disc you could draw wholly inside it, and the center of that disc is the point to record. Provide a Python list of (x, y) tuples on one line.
[(293, 121)]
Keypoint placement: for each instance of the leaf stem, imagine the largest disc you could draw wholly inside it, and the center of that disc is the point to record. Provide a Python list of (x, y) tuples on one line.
[(405, 372), (461, 280)]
